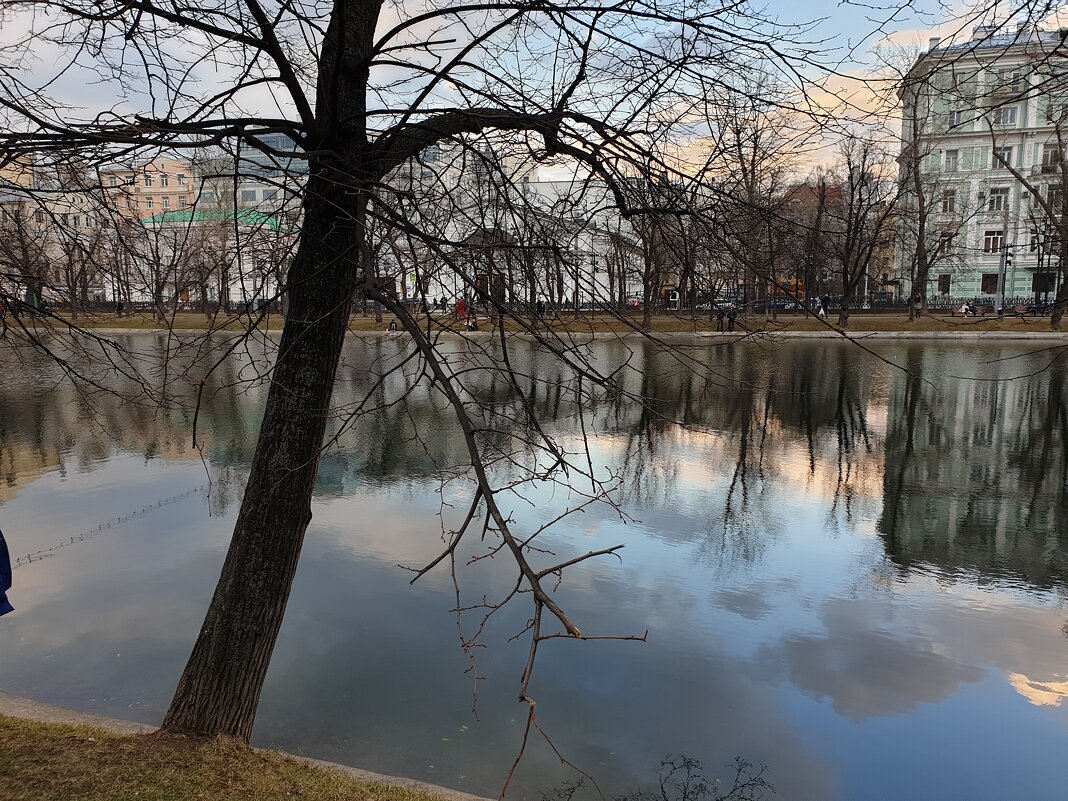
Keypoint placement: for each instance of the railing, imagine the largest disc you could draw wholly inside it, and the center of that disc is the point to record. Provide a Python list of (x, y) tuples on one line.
[(981, 301)]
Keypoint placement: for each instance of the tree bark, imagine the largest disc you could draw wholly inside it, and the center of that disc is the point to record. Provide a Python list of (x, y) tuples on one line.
[(220, 688)]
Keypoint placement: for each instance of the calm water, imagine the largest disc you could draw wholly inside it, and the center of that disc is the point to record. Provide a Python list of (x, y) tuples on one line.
[(851, 572)]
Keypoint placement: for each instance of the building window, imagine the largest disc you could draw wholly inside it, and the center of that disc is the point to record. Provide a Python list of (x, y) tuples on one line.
[(1008, 81), (992, 241), (181, 179), (957, 118), (1001, 157), (943, 284), (163, 179), (998, 199), (1005, 116), (166, 203), (148, 203), (270, 194), (1042, 283), (148, 180), (248, 195), (1055, 197), (113, 181), (38, 216), (184, 200), (1033, 246), (1051, 155), (77, 221), (990, 284), (952, 160), (432, 154), (949, 201)]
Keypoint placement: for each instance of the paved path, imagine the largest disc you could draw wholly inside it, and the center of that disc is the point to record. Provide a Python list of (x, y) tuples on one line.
[(14, 706)]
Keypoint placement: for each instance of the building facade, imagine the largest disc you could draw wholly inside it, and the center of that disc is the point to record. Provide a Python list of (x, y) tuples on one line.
[(136, 192), (981, 167)]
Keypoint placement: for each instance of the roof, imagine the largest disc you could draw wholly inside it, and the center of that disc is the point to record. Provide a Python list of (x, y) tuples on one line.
[(989, 38), (242, 216)]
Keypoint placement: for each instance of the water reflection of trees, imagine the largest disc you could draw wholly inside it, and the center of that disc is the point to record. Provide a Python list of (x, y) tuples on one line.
[(971, 477), (976, 478)]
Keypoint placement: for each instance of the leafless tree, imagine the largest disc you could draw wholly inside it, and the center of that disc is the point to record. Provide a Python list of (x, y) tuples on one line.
[(861, 216), (362, 92)]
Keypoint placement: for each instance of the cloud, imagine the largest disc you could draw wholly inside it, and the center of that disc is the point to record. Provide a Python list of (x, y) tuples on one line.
[(867, 672)]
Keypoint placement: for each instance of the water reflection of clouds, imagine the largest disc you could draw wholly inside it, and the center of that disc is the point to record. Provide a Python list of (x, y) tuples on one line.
[(864, 669), (1051, 692), (778, 624)]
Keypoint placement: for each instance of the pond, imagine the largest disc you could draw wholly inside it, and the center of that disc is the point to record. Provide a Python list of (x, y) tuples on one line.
[(851, 565)]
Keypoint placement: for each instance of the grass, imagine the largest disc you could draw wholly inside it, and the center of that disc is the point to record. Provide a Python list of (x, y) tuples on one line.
[(606, 323), (53, 762)]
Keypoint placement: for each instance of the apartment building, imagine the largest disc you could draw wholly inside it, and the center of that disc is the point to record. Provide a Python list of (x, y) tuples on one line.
[(984, 122), (136, 192)]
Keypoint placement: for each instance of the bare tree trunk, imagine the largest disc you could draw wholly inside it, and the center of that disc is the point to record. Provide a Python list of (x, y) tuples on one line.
[(220, 687), (1060, 303), (647, 310)]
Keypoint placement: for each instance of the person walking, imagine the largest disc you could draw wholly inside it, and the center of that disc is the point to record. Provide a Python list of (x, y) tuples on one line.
[(821, 310), (732, 314), (540, 309), (5, 577), (461, 309), (719, 319)]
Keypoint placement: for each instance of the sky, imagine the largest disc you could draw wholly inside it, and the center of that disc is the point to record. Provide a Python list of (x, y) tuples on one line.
[(848, 34)]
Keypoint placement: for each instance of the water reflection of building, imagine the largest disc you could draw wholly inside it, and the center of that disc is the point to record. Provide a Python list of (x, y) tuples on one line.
[(975, 474)]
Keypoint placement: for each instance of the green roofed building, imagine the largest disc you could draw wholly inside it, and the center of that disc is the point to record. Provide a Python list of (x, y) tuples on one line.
[(249, 217)]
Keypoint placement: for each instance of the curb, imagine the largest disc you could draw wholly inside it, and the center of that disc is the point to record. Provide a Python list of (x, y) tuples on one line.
[(16, 707)]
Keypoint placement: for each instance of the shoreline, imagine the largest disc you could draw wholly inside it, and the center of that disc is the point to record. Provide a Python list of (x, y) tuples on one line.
[(14, 706), (762, 336)]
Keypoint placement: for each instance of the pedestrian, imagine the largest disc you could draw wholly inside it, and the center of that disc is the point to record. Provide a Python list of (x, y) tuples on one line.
[(719, 319), (825, 301), (5, 577), (732, 314), (540, 309), (392, 325), (821, 310), (119, 308), (461, 308)]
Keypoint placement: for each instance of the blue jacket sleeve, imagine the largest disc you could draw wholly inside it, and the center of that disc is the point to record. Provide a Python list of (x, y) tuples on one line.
[(5, 577)]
